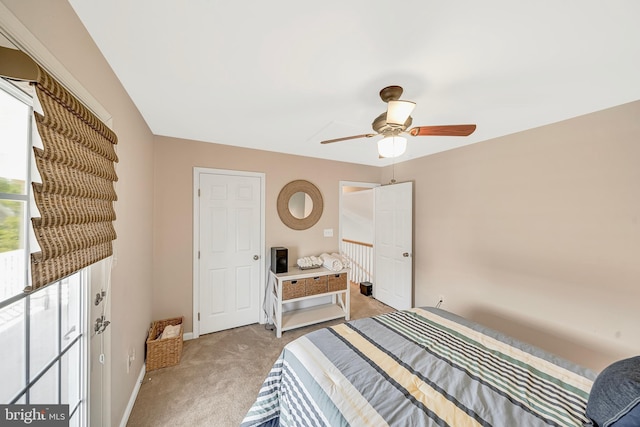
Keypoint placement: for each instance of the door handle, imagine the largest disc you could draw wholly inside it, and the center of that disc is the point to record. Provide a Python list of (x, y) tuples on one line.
[(69, 332), (99, 297), (101, 324), (405, 254), (256, 257)]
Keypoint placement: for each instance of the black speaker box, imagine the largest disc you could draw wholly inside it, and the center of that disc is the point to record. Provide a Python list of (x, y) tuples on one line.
[(366, 288), (279, 260)]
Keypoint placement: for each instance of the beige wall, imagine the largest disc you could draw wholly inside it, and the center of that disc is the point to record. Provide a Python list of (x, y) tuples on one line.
[(538, 234), (55, 24), (174, 160)]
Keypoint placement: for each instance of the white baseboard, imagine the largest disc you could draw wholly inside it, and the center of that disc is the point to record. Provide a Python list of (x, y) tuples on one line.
[(187, 336), (134, 395)]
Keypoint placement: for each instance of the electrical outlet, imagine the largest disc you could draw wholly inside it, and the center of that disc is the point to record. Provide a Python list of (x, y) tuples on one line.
[(131, 356)]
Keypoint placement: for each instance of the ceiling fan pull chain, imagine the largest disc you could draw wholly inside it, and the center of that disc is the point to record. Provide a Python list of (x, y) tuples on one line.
[(393, 171)]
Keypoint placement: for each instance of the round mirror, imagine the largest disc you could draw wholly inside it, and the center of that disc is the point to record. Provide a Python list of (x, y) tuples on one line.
[(300, 204)]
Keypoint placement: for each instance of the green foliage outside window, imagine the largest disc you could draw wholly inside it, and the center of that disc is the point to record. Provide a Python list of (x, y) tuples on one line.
[(10, 215), (11, 186)]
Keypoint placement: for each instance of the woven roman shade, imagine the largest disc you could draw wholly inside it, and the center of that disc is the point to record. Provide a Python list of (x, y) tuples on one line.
[(76, 195)]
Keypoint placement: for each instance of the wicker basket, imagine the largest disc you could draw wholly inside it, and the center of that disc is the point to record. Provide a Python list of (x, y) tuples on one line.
[(315, 285), (165, 352), (337, 282), (292, 289)]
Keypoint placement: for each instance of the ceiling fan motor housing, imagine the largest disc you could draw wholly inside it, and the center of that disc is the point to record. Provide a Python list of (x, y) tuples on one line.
[(381, 126)]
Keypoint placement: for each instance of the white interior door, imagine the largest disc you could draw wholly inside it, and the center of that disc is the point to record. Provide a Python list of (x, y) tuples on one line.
[(231, 253), (393, 284)]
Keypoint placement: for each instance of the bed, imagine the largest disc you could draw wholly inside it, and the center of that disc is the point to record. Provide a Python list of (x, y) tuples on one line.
[(419, 367)]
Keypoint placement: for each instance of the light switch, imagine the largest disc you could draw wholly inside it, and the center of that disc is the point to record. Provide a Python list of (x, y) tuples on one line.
[(328, 232)]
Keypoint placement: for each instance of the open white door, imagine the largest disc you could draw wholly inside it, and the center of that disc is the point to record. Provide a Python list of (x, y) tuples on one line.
[(393, 283)]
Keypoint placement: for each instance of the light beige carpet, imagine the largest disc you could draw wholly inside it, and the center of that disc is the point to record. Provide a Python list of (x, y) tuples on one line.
[(220, 374)]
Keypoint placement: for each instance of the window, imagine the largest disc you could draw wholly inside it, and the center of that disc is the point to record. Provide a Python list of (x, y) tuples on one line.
[(42, 334), (15, 143)]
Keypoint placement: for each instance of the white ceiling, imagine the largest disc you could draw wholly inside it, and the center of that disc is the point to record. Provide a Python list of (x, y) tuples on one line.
[(285, 74)]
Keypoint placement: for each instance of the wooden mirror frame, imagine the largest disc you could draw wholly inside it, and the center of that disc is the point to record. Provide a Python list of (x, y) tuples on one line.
[(289, 190)]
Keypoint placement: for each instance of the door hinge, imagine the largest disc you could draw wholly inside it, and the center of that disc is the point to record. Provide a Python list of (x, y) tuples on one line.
[(198, 317), (198, 192), (198, 254)]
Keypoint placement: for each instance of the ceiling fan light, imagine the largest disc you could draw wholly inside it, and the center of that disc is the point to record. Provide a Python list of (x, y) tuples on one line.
[(399, 111), (392, 146)]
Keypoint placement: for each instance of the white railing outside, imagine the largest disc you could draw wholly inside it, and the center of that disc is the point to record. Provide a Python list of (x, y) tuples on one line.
[(12, 273), (360, 256)]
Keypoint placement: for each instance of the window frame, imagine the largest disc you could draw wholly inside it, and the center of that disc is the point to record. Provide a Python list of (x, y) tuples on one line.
[(80, 342), (13, 90)]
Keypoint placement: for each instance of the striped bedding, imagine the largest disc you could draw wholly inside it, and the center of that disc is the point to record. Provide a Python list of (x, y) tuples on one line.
[(418, 367)]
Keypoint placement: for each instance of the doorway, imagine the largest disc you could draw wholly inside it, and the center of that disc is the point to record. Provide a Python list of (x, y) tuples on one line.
[(356, 228), (376, 235), (228, 251)]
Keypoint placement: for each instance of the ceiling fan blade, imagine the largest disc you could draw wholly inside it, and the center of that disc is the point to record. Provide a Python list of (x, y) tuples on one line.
[(364, 135), (446, 130)]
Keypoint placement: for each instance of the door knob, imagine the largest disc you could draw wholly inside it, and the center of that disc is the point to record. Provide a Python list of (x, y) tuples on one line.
[(405, 254), (256, 257)]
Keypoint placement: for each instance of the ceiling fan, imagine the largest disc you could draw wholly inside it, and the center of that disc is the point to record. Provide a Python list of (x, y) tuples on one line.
[(396, 120)]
